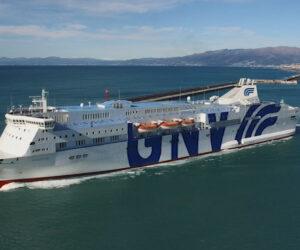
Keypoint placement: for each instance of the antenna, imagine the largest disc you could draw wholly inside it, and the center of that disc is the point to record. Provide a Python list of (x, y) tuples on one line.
[(180, 94), (40, 101)]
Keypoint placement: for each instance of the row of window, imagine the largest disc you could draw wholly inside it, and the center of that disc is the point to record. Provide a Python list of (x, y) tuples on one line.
[(114, 138), (80, 142), (97, 140), (78, 156), (16, 121), (42, 124), (61, 118), (36, 123), (13, 136), (159, 110), (132, 112), (95, 116), (39, 150), (87, 133), (62, 145), (43, 139), (117, 105)]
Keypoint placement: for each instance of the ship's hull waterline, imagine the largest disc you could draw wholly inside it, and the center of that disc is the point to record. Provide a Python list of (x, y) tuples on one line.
[(51, 169)]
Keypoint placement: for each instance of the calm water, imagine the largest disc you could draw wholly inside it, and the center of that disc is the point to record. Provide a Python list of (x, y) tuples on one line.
[(247, 199)]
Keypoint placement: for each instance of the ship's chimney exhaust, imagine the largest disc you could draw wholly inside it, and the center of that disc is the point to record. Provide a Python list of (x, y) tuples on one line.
[(106, 95)]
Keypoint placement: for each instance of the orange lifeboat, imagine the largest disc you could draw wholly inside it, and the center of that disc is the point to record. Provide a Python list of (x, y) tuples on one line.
[(169, 125), (147, 128), (188, 123)]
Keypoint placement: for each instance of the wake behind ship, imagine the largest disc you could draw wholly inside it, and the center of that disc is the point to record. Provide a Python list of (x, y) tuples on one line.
[(43, 142)]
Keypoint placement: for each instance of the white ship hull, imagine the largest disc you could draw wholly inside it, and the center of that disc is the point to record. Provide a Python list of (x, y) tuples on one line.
[(77, 141), (113, 157)]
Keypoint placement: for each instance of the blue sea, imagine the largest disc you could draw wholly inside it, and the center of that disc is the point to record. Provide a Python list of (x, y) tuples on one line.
[(246, 199)]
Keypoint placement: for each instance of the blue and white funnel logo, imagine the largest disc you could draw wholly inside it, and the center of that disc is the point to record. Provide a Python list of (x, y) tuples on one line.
[(248, 91)]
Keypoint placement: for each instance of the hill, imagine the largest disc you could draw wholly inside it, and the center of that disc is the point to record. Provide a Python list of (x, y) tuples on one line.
[(269, 56)]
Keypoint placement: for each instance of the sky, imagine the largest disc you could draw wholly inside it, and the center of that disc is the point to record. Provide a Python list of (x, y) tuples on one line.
[(126, 29)]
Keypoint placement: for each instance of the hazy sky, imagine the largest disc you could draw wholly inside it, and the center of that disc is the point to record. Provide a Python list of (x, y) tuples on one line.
[(121, 29)]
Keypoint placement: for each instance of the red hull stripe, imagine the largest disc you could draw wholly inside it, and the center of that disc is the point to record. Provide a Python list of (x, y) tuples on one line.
[(2, 183)]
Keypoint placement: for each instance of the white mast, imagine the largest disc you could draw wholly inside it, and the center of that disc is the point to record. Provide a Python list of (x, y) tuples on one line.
[(44, 101), (41, 101)]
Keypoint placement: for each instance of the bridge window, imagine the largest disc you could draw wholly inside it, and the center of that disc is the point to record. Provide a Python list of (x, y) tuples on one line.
[(114, 138), (61, 118), (98, 140), (62, 145), (80, 142)]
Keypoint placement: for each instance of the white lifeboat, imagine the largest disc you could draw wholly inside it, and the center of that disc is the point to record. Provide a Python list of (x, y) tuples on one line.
[(147, 128), (170, 125), (188, 123)]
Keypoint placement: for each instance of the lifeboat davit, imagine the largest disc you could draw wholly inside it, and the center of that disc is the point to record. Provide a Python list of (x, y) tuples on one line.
[(169, 125), (188, 123), (147, 128)]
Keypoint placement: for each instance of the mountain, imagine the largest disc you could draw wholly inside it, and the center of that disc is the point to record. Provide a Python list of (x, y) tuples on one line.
[(269, 56), (52, 61)]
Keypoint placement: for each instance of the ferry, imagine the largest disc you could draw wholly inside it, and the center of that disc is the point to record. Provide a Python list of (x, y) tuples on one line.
[(42, 142)]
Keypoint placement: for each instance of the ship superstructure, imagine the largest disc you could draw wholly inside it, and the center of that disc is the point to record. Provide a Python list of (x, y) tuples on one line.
[(44, 142)]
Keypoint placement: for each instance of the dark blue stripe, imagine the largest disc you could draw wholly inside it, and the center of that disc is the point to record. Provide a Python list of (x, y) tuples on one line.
[(191, 140), (243, 125), (216, 134), (272, 108), (266, 123), (174, 148)]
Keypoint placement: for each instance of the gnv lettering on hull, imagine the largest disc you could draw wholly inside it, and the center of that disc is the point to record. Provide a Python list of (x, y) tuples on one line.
[(190, 139), (134, 158), (217, 134)]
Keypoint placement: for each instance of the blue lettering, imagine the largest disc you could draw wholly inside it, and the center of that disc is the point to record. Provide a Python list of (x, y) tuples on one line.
[(133, 155), (216, 134), (191, 140)]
